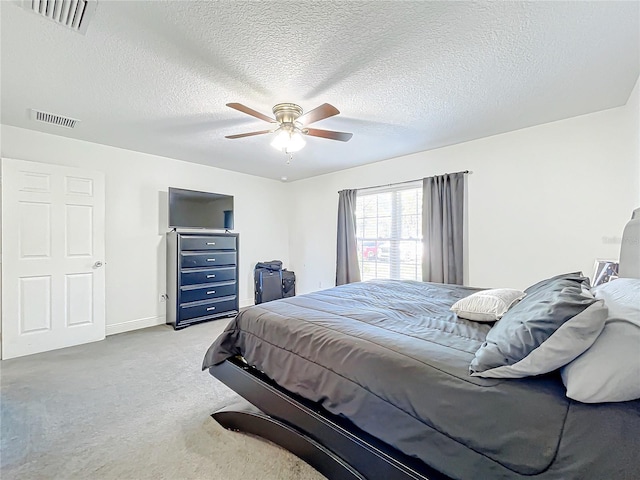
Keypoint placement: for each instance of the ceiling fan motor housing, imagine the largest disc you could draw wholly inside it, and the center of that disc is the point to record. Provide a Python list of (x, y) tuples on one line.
[(287, 112)]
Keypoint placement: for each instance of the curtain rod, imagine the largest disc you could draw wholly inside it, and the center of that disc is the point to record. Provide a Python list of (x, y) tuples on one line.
[(408, 181)]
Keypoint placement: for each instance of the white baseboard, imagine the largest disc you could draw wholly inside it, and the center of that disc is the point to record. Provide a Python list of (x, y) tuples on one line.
[(135, 324)]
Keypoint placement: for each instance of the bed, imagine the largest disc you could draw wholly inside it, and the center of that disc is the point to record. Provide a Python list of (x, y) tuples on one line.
[(371, 380)]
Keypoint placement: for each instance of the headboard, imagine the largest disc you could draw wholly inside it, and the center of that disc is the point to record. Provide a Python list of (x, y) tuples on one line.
[(630, 248)]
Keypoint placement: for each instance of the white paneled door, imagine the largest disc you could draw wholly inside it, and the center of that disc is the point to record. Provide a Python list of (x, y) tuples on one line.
[(53, 273)]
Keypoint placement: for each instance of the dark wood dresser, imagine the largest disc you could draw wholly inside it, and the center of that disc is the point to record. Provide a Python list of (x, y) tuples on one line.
[(202, 277)]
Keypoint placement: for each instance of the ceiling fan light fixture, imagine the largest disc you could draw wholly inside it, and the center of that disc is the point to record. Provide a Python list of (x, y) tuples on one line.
[(287, 140), (296, 142), (281, 140)]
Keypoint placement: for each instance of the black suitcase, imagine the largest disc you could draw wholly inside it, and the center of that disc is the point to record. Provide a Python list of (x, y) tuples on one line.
[(272, 265), (268, 281), (288, 283)]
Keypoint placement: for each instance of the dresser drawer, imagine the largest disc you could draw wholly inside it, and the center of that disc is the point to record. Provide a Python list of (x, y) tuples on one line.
[(203, 309), (207, 275), (207, 292), (207, 242), (206, 259)]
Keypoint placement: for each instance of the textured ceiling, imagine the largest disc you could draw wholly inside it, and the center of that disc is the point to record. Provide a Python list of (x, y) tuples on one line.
[(155, 76)]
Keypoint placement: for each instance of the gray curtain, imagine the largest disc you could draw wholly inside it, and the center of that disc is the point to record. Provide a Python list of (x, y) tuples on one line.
[(347, 267), (442, 228)]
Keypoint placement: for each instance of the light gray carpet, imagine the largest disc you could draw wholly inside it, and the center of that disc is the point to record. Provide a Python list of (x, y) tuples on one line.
[(135, 406)]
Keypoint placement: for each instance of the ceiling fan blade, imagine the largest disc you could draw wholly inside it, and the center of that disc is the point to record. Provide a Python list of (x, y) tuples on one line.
[(250, 111), (320, 113), (250, 134), (330, 134)]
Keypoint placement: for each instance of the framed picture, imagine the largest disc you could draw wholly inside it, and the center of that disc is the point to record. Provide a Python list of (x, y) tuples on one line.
[(604, 271)]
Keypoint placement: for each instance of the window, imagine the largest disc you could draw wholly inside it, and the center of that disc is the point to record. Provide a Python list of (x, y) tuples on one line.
[(389, 232)]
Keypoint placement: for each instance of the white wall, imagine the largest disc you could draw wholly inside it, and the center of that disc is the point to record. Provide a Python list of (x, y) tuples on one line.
[(541, 201), (136, 217), (633, 111)]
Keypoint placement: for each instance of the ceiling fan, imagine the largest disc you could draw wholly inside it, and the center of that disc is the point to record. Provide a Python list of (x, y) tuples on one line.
[(291, 123)]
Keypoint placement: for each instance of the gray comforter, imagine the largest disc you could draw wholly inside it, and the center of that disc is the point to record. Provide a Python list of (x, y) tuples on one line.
[(391, 357)]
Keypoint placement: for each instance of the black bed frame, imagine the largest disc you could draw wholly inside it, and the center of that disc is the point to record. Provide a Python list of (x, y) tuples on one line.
[(332, 445)]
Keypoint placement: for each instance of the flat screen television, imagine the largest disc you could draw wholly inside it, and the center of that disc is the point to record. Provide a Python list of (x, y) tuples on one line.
[(192, 209)]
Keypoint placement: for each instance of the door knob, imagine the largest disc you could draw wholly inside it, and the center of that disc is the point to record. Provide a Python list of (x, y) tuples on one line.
[(97, 264)]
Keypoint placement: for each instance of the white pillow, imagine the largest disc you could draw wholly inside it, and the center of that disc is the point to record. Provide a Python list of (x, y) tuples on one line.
[(487, 305), (622, 297), (609, 371)]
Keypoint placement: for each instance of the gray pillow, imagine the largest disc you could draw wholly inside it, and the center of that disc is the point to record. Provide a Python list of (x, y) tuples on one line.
[(531, 322), (577, 276)]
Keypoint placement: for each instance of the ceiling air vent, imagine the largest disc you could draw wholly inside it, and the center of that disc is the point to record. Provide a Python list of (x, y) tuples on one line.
[(53, 119), (73, 14)]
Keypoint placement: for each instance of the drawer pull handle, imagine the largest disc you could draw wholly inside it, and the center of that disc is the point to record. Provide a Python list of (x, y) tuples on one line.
[(211, 243), (211, 308), (211, 259), (210, 292), (211, 276)]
